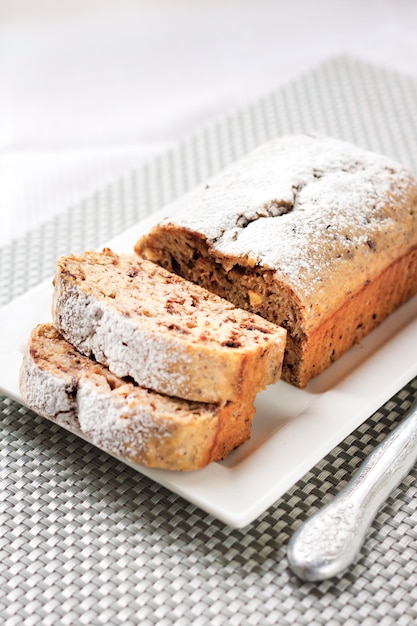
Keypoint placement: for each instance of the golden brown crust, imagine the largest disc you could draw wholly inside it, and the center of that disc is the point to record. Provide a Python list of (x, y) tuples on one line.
[(360, 314)]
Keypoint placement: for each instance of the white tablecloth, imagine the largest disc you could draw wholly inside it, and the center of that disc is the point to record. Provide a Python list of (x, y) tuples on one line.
[(90, 89)]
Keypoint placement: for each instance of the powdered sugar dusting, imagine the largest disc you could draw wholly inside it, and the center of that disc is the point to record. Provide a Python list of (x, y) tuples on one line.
[(122, 425), (126, 349), (304, 206)]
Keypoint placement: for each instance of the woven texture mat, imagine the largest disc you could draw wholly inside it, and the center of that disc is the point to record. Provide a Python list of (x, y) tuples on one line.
[(85, 539)]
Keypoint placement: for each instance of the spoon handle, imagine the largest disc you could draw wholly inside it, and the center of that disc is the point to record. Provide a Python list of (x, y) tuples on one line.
[(327, 543)]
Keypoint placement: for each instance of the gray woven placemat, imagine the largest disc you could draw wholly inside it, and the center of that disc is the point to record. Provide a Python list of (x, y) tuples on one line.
[(86, 540)]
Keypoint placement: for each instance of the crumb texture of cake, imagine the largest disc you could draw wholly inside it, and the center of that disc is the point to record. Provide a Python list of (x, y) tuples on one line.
[(122, 418), (166, 333), (313, 234)]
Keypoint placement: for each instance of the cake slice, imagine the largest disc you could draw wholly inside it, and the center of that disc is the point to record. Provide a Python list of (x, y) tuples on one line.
[(167, 334), (122, 418), (311, 233)]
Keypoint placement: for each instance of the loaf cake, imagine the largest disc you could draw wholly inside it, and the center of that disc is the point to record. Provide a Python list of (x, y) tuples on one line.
[(122, 418), (313, 234), (164, 332)]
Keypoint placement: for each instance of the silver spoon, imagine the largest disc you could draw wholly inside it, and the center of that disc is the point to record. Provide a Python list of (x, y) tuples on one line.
[(328, 542)]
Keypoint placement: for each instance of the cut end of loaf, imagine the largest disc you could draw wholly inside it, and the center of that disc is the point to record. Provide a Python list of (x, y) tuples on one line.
[(248, 287)]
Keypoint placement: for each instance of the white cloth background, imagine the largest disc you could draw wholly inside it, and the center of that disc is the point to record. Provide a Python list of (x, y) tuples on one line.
[(91, 88)]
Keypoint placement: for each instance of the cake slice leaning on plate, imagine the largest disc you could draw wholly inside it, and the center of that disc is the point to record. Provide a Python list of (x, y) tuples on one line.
[(122, 418)]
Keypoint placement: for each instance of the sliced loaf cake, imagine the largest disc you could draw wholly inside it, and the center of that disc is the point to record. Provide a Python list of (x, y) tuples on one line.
[(311, 233)]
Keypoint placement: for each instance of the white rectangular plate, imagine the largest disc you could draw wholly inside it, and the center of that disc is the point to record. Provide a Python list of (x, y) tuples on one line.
[(293, 428)]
